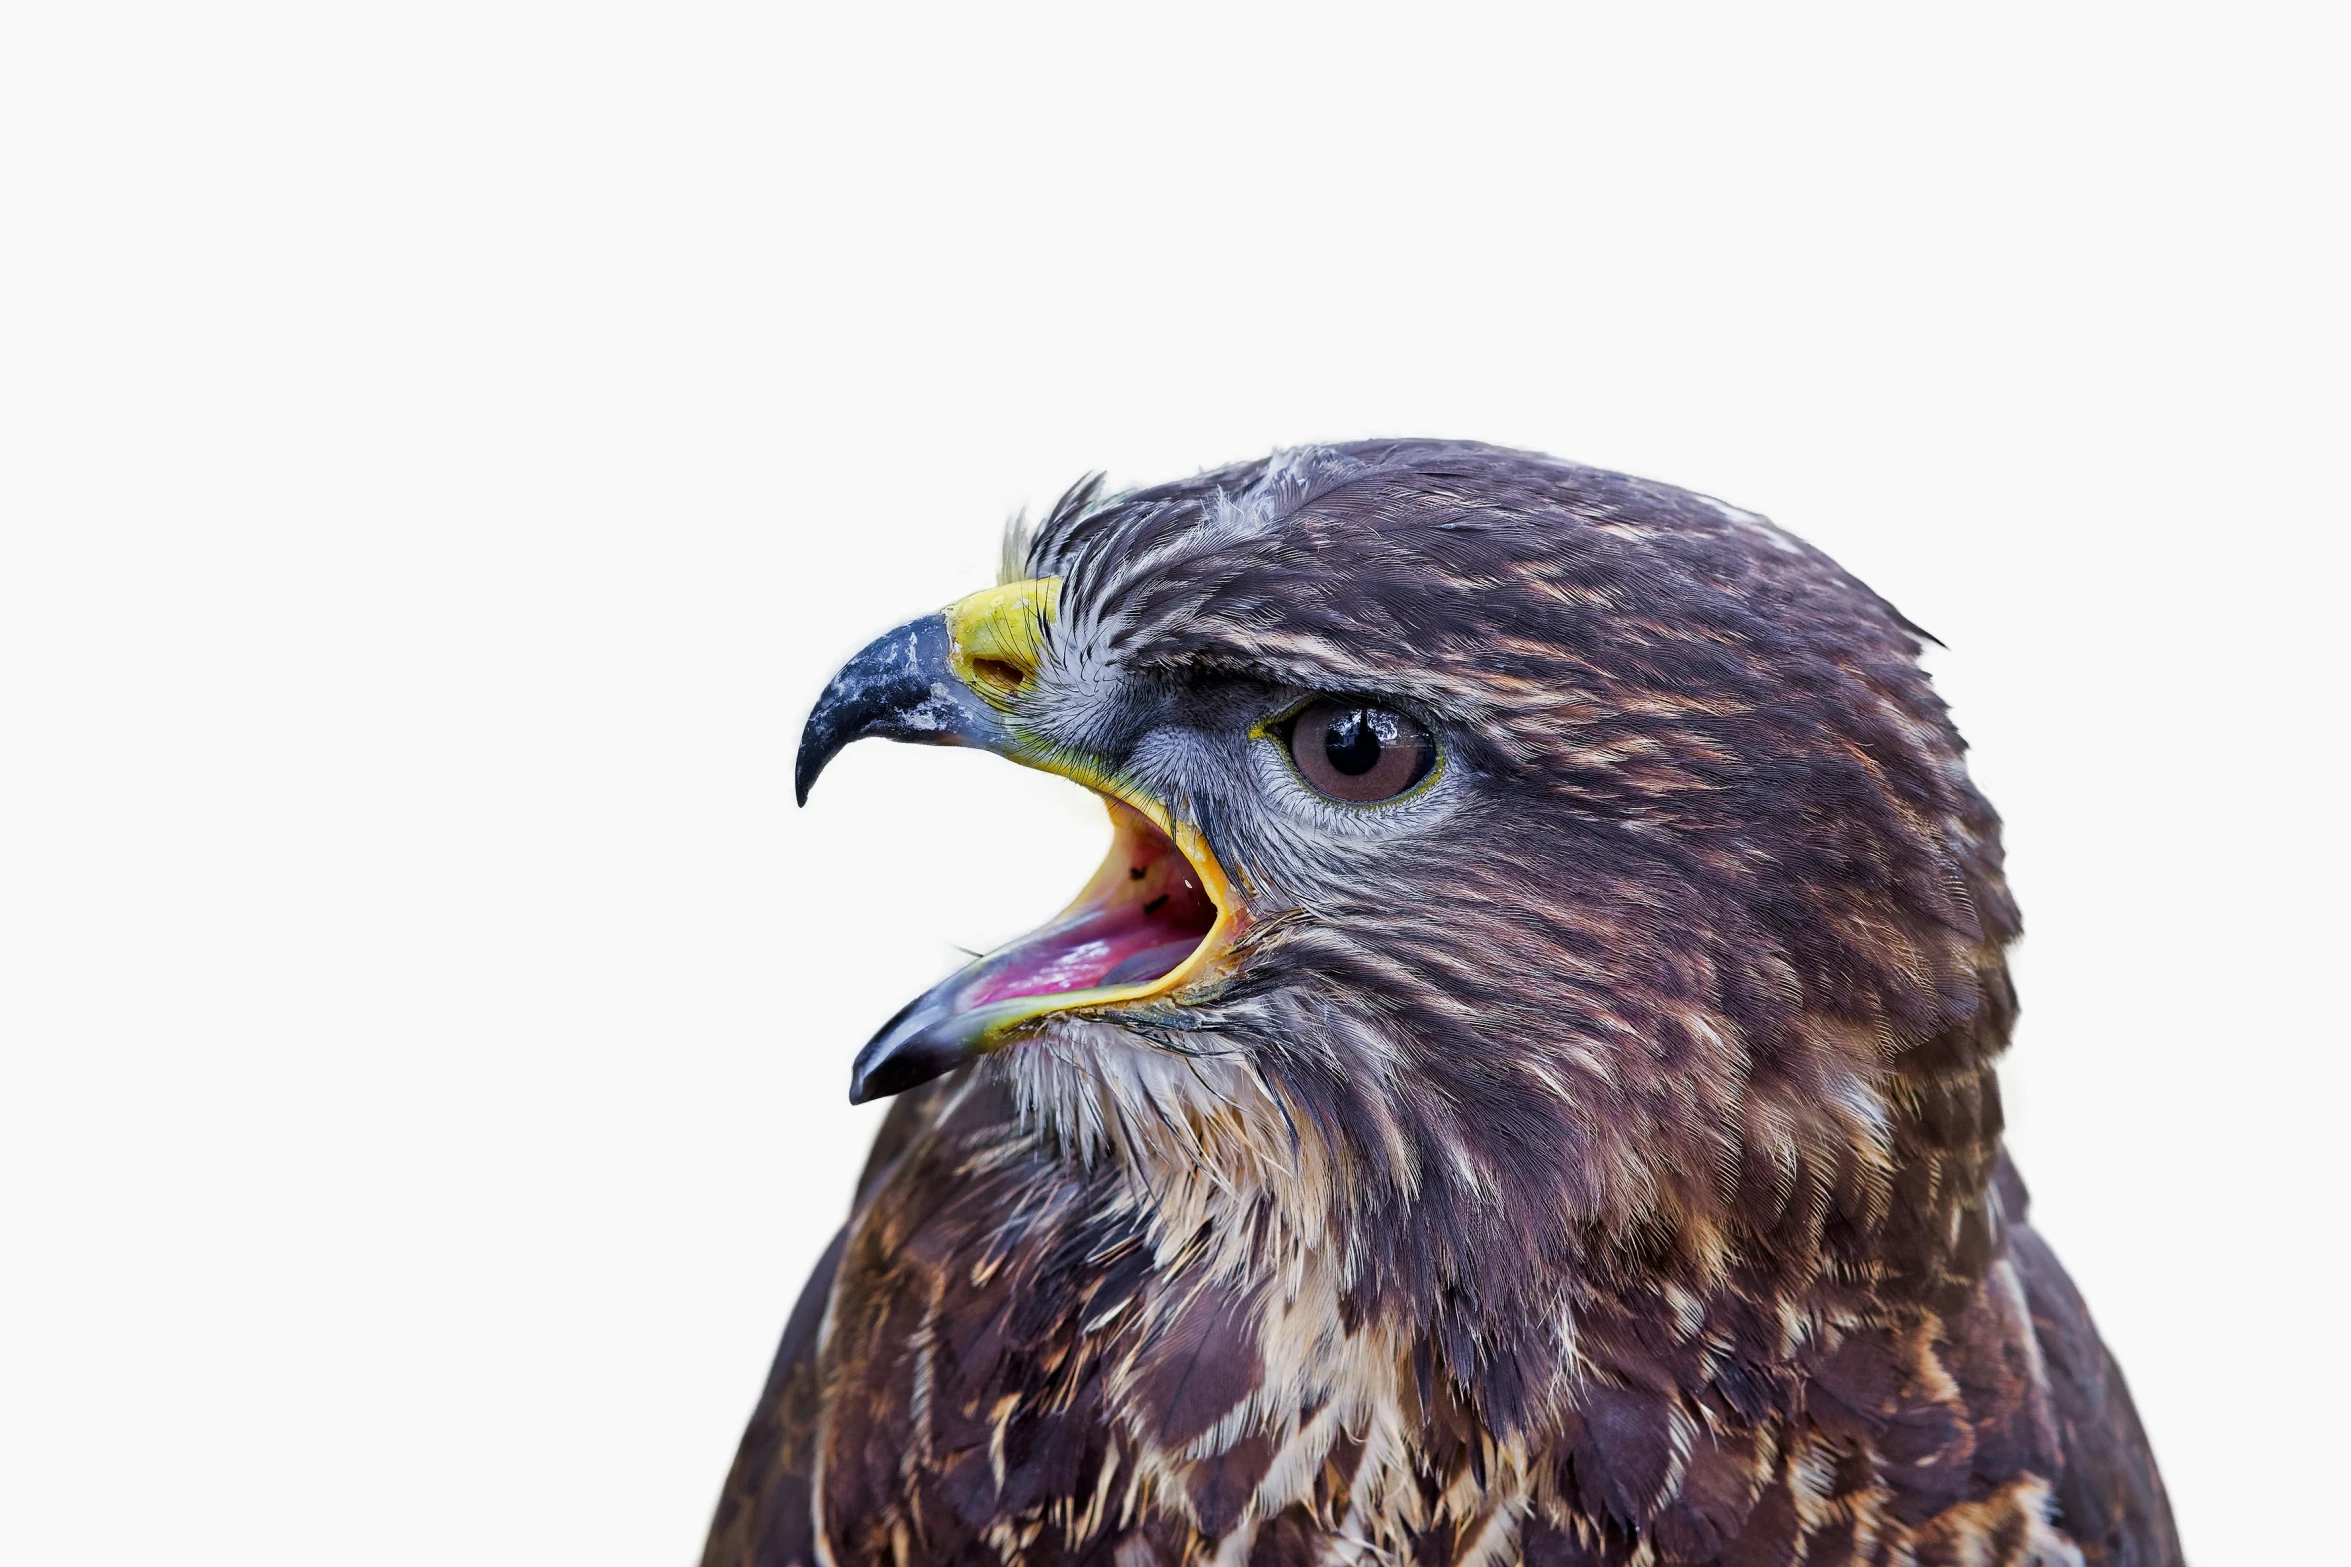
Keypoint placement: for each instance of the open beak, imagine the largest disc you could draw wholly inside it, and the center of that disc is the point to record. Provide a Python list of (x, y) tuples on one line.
[(1155, 921)]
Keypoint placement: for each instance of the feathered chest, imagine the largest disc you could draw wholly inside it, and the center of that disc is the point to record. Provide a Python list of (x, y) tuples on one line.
[(1019, 1365)]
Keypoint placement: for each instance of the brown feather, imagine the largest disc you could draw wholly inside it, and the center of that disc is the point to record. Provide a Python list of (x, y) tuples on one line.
[(1607, 1171)]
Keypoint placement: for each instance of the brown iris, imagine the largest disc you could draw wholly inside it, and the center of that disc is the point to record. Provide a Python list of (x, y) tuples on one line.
[(1358, 751)]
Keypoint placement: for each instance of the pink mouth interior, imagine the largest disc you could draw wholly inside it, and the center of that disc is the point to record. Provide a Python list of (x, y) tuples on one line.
[(1138, 919)]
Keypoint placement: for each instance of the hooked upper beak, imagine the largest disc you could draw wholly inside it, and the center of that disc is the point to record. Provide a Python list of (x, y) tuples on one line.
[(1157, 919), (900, 687)]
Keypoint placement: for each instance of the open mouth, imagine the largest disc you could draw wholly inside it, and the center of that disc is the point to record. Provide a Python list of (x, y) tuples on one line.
[(1143, 914), (1151, 921), (1154, 922)]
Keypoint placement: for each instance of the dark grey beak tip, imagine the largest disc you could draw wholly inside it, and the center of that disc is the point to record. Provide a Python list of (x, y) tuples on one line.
[(930, 1035), (883, 1069), (900, 687)]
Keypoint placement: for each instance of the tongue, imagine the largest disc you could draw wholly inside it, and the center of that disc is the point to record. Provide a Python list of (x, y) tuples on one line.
[(1150, 963)]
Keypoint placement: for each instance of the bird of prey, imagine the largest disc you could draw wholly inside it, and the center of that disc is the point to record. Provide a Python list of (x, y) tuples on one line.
[(1519, 1090)]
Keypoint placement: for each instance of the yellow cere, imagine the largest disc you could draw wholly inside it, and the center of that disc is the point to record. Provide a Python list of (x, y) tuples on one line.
[(995, 634)]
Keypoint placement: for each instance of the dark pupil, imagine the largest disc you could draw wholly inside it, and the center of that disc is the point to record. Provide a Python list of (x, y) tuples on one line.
[(1352, 745)]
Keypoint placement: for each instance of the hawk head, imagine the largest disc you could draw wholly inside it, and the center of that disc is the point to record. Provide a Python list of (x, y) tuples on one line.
[(1515, 866)]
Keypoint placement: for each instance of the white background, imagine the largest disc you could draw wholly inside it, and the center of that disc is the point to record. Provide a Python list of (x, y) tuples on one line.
[(445, 447)]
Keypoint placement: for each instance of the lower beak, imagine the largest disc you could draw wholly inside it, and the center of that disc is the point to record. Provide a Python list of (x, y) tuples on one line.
[(1153, 922)]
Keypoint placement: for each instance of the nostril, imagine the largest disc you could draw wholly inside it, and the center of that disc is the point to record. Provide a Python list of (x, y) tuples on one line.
[(1000, 672)]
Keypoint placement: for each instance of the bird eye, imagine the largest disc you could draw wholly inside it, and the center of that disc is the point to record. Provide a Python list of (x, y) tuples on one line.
[(1358, 751)]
